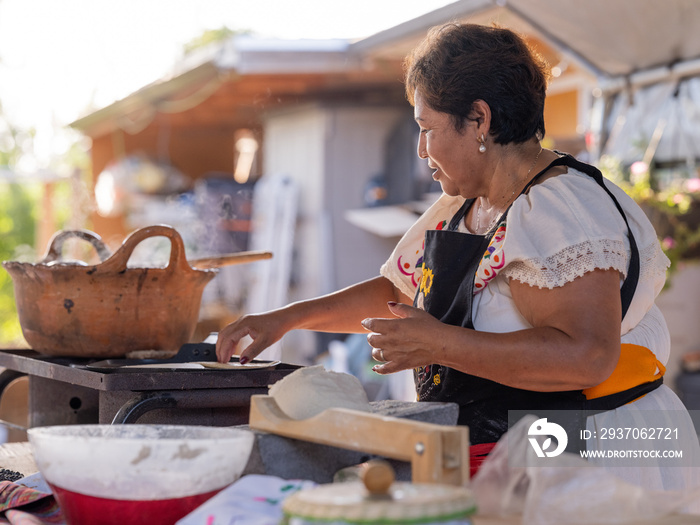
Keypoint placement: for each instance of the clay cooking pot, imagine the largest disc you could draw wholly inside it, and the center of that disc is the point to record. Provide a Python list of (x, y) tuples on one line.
[(106, 310)]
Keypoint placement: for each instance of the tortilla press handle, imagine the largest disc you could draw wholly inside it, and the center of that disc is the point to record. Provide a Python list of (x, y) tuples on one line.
[(377, 476)]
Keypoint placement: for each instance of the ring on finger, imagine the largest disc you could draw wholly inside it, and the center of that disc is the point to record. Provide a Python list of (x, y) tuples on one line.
[(381, 356)]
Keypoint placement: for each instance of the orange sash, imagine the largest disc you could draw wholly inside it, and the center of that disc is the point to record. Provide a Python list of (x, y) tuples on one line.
[(637, 365)]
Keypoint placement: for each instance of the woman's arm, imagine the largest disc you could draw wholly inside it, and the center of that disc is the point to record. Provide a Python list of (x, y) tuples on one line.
[(340, 311), (574, 342)]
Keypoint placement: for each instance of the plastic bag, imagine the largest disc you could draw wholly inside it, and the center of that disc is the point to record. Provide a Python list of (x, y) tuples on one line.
[(564, 489)]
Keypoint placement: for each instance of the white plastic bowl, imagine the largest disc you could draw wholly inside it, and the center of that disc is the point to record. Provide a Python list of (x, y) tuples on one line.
[(138, 463)]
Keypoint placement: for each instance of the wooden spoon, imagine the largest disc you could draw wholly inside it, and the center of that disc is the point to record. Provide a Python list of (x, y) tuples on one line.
[(229, 259)]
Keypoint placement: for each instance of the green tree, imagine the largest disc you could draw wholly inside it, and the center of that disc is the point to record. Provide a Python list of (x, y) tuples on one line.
[(17, 229), (14, 142), (17, 220)]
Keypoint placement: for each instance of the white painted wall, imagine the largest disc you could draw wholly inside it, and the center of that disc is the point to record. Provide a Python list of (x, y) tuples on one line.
[(294, 145), (356, 151)]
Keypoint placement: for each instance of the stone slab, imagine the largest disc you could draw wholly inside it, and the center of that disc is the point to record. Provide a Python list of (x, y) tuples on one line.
[(294, 459)]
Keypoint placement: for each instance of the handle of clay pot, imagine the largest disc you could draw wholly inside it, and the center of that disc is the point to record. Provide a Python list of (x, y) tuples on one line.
[(55, 249), (177, 263)]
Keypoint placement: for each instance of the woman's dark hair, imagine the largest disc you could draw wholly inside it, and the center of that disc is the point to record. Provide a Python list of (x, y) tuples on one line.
[(457, 64)]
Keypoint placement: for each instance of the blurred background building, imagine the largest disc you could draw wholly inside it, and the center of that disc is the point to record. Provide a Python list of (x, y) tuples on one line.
[(307, 148)]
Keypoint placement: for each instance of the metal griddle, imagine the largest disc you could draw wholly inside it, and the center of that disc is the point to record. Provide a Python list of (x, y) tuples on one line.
[(188, 353), (64, 390)]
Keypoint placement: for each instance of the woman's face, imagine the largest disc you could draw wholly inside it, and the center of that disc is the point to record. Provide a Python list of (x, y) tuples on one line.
[(451, 154)]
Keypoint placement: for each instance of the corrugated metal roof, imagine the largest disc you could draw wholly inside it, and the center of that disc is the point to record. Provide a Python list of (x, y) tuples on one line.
[(612, 38)]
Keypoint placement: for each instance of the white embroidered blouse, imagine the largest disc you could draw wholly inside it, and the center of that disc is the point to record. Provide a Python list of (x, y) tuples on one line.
[(561, 229)]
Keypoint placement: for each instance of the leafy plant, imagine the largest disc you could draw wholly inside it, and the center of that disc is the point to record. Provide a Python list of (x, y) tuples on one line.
[(17, 233), (673, 208), (20, 208)]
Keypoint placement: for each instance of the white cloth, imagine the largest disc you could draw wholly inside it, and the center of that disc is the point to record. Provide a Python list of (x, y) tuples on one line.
[(562, 228)]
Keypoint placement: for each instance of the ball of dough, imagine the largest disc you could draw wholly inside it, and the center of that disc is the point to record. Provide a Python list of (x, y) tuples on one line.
[(309, 391)]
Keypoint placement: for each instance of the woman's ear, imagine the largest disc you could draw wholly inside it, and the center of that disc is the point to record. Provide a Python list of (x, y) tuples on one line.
[(481, 114)]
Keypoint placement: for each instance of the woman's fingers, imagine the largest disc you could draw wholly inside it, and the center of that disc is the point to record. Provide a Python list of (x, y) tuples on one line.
[(263, 329), (378, 355), (403, 342), (384, 333), (230, 336), (390, 367), (226, 343), (384, 368), (253, 350), (401, 311)]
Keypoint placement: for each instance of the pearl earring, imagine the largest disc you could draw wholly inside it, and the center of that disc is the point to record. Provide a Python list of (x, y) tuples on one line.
[(482, 146)]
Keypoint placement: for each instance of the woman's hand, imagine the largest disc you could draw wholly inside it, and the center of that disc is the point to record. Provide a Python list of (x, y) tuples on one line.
[(265, 330), (412, 339)]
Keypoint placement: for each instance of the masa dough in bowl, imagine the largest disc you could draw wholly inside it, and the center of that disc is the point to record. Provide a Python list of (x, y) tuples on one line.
[(309, 391)]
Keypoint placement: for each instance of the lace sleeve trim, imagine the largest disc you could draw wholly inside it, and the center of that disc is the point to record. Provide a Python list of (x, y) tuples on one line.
[(653, 261), (574, 261), (570, 263)]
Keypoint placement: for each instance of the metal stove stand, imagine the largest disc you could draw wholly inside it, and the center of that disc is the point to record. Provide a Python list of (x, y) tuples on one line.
[(64, 391)]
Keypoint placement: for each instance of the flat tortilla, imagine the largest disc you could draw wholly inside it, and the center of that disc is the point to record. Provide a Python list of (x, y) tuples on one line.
[(166, 365), (237, 366), (201, 365)]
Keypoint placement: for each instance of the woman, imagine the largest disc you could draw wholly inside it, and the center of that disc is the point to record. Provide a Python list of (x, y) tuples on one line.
[(515, 290)]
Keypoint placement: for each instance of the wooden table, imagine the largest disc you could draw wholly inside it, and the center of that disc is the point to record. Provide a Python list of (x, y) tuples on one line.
[(18, 457)]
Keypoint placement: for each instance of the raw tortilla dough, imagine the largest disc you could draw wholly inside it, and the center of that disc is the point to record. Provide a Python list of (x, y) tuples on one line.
[(309, 391), (206, 364), (165, 365), (233, 365)]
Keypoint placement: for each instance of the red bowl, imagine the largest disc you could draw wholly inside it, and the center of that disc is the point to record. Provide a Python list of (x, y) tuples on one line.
[(133, 474), (80, 509)]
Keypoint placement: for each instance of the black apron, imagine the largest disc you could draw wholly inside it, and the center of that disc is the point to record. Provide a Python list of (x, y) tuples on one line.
[(451, 259)]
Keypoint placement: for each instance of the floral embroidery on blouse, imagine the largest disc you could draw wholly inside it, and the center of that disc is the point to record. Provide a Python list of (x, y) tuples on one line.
[(491, 263), (416, 272), (493, 260)]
